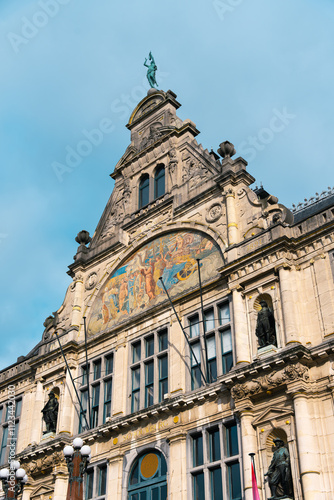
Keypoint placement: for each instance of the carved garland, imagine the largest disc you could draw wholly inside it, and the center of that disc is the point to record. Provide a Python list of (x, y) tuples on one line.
[(267, 382)]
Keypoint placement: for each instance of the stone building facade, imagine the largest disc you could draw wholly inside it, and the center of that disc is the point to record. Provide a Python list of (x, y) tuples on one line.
[(175, 415)]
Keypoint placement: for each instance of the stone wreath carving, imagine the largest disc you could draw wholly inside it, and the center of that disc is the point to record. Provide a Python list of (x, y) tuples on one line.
[(214, 213), (267, 382)]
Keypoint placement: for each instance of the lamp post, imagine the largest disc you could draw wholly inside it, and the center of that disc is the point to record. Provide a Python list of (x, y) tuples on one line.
[(77, 458), (13, 480)]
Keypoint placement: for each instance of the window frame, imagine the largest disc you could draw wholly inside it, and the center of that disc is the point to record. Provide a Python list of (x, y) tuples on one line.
[(139, 393), (141, 187), (98, 407), (5, 423), (96, 469), (208, 465), (160, 172), (222, 362)]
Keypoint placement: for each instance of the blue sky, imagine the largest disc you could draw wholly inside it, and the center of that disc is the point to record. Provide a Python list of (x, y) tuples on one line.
[(68, 64)]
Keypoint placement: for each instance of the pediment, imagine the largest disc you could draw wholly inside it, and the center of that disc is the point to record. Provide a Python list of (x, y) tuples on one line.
[(41, 490), (146, 105), (130, 152), (271, 414)]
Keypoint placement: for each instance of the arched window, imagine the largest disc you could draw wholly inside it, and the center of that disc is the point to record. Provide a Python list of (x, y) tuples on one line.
[(148, 477), (159, 181), (144, 190)]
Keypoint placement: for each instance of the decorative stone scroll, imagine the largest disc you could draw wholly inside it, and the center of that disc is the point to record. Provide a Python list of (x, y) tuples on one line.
[(270, 381)]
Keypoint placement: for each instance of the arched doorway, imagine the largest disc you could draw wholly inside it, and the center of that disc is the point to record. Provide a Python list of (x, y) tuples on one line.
[(148, 477)]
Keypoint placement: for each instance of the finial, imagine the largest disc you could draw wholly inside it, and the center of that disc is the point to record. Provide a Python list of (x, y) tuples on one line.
[(83, 238), (226, 149)]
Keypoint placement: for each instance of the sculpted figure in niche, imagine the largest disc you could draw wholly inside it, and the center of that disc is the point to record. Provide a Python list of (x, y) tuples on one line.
[(279, 472), (265, 326), (50, 413)]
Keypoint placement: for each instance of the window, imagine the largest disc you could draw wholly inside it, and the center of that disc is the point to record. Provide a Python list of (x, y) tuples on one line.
[(159, 181), (148, 478), (211, 341), (144, 190), (100, 389), (9, 425), (149, 369), (96, 482), (215, 463)]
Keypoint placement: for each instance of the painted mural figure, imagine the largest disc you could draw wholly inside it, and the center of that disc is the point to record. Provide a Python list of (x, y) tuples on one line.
[(279, 473), (135, 285)]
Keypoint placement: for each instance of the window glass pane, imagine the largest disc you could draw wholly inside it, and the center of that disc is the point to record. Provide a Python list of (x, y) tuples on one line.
[(1, 413), (214, 442), (136, 378), (163, 492), (163, 340), (224, 314), (135, 401), (216, 484), (232, 441), (136, 352), (3, 445), (194, 326), (96, 395), (143, 495), (159, 182), (97, 369), (198, 450), (89, 484), (102, 486), (234, 481), (198, 485), (18, 408), (109, 364), (226, 341), (107, 390), (196, 357), (227, 362), (135, 475), (149, 342), (163, 389), (211, 346), (209, 320), (155, 493), (84, 375), (163, 367), (149, 372), (144, 191)]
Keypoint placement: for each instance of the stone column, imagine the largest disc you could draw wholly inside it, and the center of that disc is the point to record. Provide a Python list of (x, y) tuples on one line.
[(241, 336), (115, 474), (308, 447), (61, 484), (288, 298), (76, 309), (27, 490), (177, 360), (325, 296), (231, 218), (121, 389), (177, 472), (36, 428), (68, 403), (249, 445)]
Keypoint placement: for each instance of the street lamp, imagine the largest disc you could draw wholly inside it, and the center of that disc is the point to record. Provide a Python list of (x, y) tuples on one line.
[(77, 458), (13, 480)]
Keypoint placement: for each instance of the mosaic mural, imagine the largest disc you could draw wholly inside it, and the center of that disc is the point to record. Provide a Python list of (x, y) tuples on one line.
[(135, 286)]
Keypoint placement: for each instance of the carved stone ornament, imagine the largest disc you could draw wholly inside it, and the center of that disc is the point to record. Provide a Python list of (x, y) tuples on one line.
[(39, 466), (267, 382), (214, 213), (194, 172), (91, 281), (110, 225)]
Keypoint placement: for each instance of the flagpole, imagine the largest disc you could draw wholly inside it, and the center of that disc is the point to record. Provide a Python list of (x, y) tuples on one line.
[(255, 489), (252, 455)]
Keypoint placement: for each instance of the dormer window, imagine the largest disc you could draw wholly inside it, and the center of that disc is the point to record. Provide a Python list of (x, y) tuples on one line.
[(144, 190), (159, 181)]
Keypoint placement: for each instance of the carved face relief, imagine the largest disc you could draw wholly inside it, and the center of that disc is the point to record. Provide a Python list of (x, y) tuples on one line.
[(91, 281)]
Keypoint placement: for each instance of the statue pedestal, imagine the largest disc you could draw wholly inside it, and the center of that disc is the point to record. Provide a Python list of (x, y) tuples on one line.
[(268, 350), (47, 436)]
